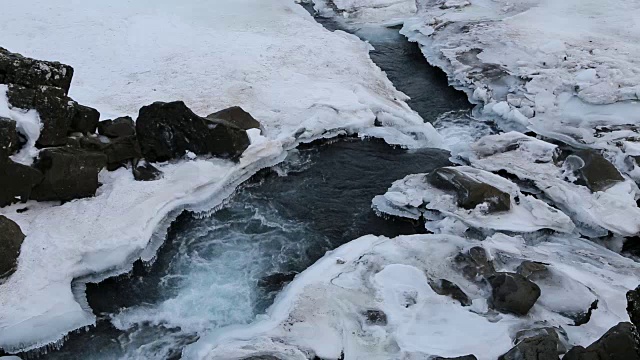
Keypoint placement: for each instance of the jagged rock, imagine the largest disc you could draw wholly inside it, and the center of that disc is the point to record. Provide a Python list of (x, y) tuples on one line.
[(540, 347), (532, 269), (275, 282), (447, 288), (465, 357), (119, 127), (236, 116), (17, 69), (376, 317), (16, 182), (9, 142), (54, 107), (582, 317), (621, 342), (143, 171), (11, 238), (168, 130), (513, 293), (633, 306), (597, 173), (470, 192), (85, 119), (475, 264), (69, 173)]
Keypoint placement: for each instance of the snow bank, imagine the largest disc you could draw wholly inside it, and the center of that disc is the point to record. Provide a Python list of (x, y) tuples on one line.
[(27, 123), (299, 80), (322, 312)]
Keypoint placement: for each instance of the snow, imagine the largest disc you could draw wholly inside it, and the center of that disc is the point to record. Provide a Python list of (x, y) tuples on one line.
[(27, 123), (321, 311), (299, 80)]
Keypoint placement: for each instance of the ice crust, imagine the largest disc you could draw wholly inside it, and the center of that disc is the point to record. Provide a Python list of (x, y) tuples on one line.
[(299, 80)]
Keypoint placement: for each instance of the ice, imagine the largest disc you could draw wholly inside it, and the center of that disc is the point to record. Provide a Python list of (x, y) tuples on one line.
[(299, 80), (27, 123), (323, 310)]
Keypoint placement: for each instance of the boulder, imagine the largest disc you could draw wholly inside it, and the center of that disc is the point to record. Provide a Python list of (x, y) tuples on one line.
[(447, 288), (474, 264), (533, 269), (11, 238), (56, 111), (597, 173), (470, 192), (119, 127), (31, 73), (275, 282), (633, 306), (17, 182), (9, 141), (69, 173), (558, 334), (513, 293), (235, 116), (120, 151), (540, 347), (621, 342), (85, 119), (168, 130), (143, 171)]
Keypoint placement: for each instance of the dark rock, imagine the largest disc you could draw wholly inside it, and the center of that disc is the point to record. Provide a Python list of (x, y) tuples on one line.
[(558, 334), (447, 288), (168, 130), (533, 269), (69, 173), (235, 116), (120, 127), (143, 171), (475, 264), (633, 306), (465, 357), (275, 282), (17, 182), (376, 317), (470, 192), (122, 150), (17, 69), (54, 107), (582, 318), (9, 142), (513, 293), (541, 347), (621, 342), (11, 238), (262, 357), (85, 119), (598, 173)]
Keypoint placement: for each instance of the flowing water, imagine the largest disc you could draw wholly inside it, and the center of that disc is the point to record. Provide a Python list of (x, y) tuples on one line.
[(206, 275)]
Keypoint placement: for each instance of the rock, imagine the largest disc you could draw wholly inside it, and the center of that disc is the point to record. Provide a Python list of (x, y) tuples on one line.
[(85, 119), (236, 116), (11, 238), (275, 282), (470, 192), (376, 317), (513, 293), (558, 334), (120, 127), (17, 182), (122, 150), (533, 269), (581, 318), (168, 130), (69, 174), (447, 288), (633, 306), (621, 342), (31, 73), (9, 142), (475, 264), (597, 173), (54, 107), (541, 347), (143, 171), (465, 357)]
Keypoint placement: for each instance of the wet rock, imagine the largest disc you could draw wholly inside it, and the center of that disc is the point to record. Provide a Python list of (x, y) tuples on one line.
[(17, 182), (533, 269), (513, 293), (621, 342), (69, 173), (17, 69), (11, 238), (582, 318), (85, 119), (376, 317), (558, 334), (119, 127), (275, 282), (168, 130), (9, 142), (55, 109), (465, 357), (541, 347), (235, 116), (633, 306), (470, 192), (597, 173), (447, 288), (143, 171), (475, 265)]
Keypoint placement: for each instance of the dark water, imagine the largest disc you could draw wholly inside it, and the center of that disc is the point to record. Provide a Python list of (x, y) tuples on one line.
[(206, 273)]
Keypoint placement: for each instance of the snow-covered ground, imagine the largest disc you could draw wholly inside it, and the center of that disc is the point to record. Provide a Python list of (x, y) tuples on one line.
[(299, 80)]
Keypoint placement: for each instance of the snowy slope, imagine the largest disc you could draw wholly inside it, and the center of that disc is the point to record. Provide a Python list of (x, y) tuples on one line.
[(299, 80)]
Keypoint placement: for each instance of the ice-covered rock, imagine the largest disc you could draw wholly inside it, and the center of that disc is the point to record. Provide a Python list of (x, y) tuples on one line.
[(236, 116), (144, 171)]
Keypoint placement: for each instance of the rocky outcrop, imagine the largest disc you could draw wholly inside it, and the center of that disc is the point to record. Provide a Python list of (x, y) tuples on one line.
[(11, 238), (9, 142), (120, 127), (235, 116), (621, 342), (17, 182), (69, 173), (633, 306), (512, 293), (540, 347), (31, 73), (470, 192), (85, 119), (168, 130)]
